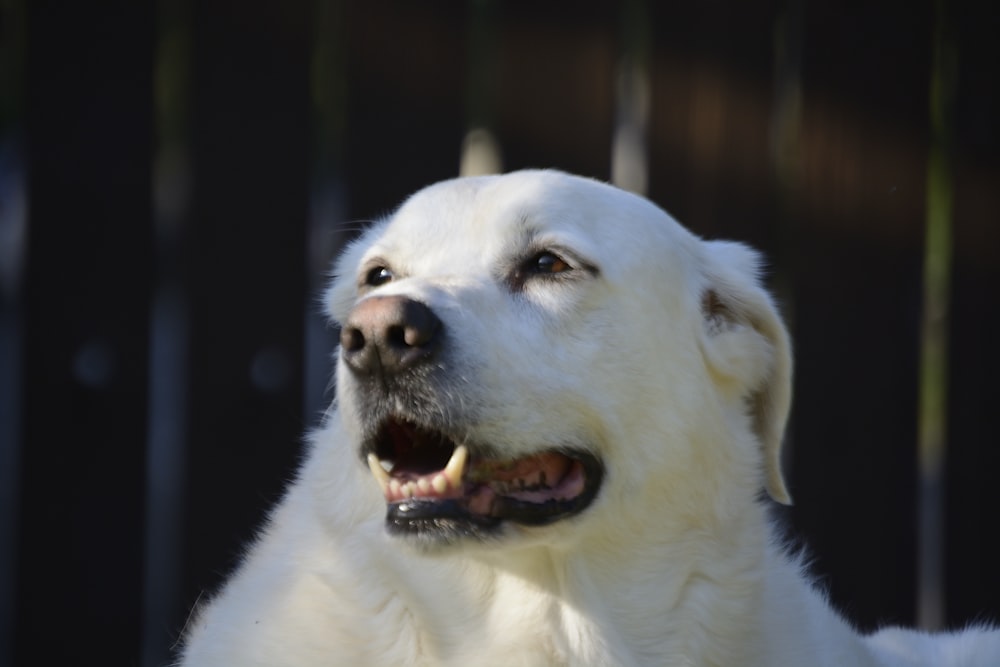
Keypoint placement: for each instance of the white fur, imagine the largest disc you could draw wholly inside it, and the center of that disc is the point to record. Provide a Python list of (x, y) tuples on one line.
[(670, 361)]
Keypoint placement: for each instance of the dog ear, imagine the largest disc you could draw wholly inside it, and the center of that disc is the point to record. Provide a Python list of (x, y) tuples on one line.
[(747, 346)]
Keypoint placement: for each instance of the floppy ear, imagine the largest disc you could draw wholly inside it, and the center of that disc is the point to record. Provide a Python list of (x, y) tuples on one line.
[(747, 347)]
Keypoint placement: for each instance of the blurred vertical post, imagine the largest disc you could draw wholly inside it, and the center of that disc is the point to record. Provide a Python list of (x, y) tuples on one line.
[(932, 414), (629, 148), (786, 160), (328, 204), (480, 152), (88, 120), (786, 114), (244, 273), (13, 239), (168, 344)]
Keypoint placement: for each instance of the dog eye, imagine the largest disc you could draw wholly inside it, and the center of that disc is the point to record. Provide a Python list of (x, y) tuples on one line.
[(548, 263), (378, 275)]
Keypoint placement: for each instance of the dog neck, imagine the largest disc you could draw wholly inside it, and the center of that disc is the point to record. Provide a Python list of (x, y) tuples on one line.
[(587, 604)]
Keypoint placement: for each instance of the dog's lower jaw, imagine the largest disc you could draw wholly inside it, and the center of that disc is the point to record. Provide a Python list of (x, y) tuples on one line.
[(442, 530)]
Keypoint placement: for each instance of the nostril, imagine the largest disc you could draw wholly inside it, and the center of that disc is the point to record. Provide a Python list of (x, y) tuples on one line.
[(419, 326), (396, 336), (351, 339)]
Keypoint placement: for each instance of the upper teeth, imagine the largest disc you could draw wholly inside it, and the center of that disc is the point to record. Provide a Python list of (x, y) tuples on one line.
[(440, 482), (380, 474), (456, 466)]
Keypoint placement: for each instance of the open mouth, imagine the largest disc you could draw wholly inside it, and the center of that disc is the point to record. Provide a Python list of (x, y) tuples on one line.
[(433, 484)]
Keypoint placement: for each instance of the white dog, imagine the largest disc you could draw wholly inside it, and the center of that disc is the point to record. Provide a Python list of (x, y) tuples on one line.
[(556, 412)]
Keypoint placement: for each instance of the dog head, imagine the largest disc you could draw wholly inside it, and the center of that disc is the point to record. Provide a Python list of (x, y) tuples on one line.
[(540, 354)]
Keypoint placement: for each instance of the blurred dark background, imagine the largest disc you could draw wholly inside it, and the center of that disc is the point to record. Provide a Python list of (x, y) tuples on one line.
[(175, 177)]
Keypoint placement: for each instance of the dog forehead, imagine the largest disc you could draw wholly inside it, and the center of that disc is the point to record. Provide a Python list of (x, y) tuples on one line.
[(475, 220), (446, 218)]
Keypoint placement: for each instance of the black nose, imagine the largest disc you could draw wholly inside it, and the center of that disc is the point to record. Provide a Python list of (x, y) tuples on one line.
[(388, 334)]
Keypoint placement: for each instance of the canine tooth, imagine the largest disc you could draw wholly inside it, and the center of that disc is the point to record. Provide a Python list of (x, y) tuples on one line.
[(456, 466), (424, 485), (440, 483), (378, 472)]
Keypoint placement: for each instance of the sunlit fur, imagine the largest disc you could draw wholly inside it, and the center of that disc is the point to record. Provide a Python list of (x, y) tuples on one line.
[(667, 359)]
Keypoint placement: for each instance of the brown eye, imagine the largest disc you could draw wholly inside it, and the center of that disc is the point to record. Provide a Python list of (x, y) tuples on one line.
[(544, 266), (378, 275), (548, 263)]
